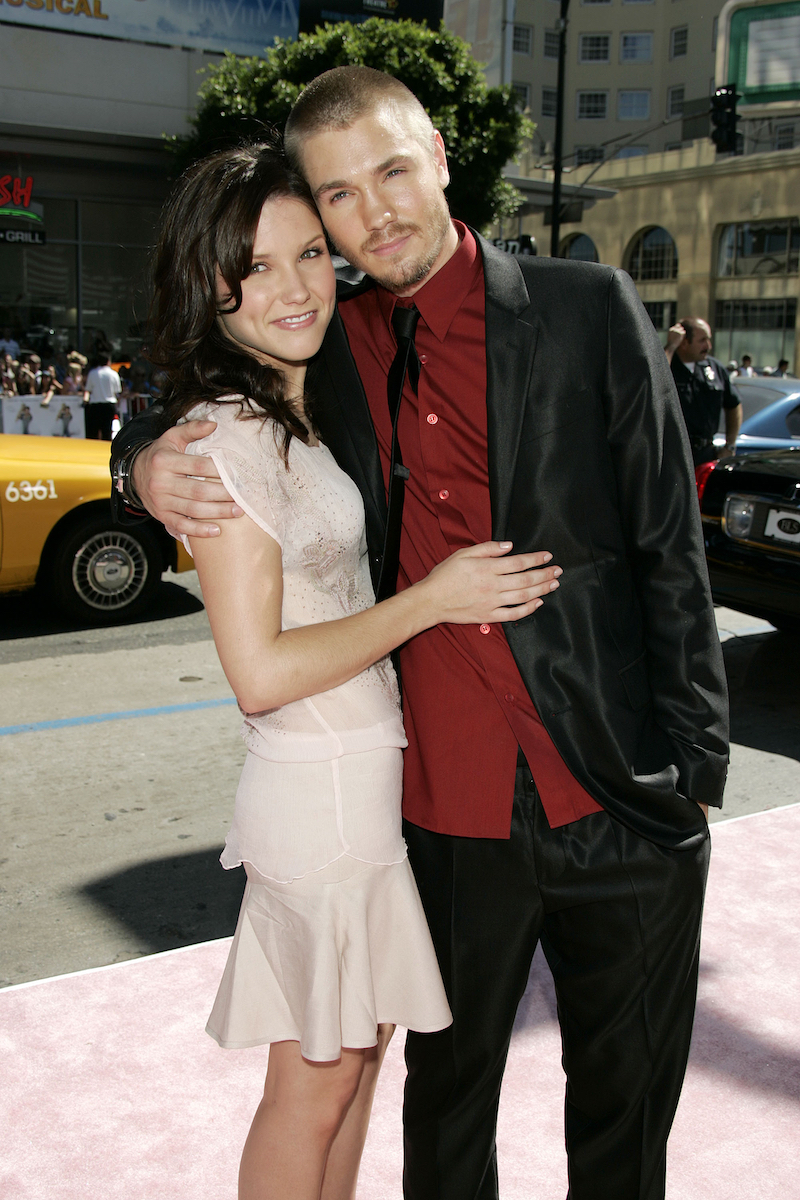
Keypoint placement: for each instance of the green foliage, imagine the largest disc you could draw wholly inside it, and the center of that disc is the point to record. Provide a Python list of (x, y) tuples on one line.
[(482, 127)]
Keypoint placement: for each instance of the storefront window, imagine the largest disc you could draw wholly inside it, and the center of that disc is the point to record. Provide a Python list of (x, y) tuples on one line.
[(764, 329), (82, 266), (759, 248)]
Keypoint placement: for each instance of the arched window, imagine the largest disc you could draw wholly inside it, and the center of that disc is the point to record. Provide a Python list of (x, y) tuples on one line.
[(580, 247), (653, 255)]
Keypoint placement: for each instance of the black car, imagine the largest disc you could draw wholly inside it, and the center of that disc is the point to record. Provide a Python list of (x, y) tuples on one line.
[(750, 506)]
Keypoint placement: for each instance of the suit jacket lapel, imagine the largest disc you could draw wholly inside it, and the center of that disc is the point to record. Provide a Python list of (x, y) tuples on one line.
[(511, 334), (345, 423)]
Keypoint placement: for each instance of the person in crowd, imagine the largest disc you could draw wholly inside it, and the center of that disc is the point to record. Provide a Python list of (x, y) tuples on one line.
[(48, 386), (746, 369), (74, 381), (101, 390), (331, 948), (99, 347), (704, 389), (8, 374), (8, 343), (26, 376), (782, 370), (557, 766)]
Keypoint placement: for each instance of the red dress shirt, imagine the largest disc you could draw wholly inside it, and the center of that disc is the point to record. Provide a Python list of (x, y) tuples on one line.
[(465, 707)]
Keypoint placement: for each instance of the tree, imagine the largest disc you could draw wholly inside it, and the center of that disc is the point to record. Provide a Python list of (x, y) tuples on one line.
[(482, 127)]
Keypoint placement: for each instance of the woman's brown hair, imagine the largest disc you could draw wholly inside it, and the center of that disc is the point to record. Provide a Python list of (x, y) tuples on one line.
[(208, 228)]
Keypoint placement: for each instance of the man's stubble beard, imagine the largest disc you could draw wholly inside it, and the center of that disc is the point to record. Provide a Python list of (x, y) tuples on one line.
[(406, 274)]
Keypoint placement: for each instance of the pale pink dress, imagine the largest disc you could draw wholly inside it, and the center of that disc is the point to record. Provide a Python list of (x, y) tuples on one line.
[(331, 938)]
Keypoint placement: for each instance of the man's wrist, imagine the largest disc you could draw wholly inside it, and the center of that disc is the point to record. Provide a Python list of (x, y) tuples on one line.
[(122, 476)]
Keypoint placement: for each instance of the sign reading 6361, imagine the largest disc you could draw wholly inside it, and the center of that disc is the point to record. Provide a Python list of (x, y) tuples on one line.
[(25, 490)]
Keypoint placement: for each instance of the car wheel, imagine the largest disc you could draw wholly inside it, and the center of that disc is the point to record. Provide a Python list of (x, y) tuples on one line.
[(101, 571)]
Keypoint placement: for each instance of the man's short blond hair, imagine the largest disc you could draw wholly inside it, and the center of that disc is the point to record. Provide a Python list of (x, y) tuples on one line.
[(340, 97)]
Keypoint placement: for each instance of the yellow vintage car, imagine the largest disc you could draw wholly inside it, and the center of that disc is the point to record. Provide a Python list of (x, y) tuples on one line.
[(56, 530)]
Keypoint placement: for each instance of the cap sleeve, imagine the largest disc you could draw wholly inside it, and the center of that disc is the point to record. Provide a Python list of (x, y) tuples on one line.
[(245, 453)]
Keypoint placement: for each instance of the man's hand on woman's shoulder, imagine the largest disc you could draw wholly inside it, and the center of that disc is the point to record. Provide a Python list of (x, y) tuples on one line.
[(182, 491)]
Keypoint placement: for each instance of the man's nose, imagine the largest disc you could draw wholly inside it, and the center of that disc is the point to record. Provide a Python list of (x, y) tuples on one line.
[(376, 212)]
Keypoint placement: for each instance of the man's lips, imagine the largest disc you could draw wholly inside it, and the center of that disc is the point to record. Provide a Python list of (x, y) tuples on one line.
[(396, 242)]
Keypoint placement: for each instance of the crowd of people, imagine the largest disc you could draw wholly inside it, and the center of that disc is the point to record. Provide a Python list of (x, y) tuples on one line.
[(47, 373)]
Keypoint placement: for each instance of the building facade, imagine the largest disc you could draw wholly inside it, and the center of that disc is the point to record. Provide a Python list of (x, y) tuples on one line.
[(701, 236)]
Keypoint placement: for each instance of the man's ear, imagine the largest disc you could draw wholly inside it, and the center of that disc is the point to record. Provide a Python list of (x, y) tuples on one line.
[(440, 159)]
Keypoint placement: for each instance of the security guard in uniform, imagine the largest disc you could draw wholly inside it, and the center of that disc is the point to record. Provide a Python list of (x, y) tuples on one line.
[(704, 389)]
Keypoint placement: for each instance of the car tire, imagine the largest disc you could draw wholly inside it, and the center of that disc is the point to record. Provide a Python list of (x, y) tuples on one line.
[(101, 571)]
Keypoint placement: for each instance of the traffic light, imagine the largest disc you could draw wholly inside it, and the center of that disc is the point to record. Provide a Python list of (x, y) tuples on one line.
[(724, 118)]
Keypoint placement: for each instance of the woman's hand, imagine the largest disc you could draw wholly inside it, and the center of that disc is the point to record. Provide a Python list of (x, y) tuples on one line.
[(483, 583)]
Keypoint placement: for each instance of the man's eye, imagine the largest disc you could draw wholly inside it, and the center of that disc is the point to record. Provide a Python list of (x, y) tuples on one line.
[(337, 196)]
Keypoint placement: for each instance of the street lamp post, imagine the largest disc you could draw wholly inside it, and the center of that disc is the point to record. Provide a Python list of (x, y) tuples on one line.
[(559, 140)]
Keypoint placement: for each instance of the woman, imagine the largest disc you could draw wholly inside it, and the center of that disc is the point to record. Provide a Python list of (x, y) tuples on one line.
[(331, 949)]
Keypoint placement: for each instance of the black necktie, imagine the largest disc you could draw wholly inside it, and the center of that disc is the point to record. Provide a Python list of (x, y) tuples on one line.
[(406, 361)]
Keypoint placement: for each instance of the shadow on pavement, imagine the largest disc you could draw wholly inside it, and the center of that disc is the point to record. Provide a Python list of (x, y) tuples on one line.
[(172, 902), (764, 680), (33, 614)]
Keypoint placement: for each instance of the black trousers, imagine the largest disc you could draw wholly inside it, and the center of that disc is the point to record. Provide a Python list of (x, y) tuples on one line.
[(619, 921), (98, 419)]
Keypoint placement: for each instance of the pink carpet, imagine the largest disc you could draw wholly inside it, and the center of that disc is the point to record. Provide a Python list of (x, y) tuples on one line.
[(111, 1089)]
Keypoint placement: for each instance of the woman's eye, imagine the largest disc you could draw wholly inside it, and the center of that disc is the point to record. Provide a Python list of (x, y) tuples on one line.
[(257, 268), (313, 252)]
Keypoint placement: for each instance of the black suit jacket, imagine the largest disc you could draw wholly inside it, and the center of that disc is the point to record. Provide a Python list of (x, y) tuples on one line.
[(588, 458)]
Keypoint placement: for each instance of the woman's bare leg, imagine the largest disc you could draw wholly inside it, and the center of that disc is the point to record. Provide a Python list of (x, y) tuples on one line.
[(344, 1156), (303, 1106)]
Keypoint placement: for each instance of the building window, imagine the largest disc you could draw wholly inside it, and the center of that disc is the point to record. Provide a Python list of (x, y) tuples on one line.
[(637, 1), (594, 47), (673, 145), (588, 154), (764, 329), (679, 42), (663, 313), (714, 33), (92, 274), (523, 39), (784, 137), (549, 102), (633, 106), (759, 248), (551, 42), (595, 1), (632, 151), (592, 106), (653, 255), (580, 248), (636, 47), (522, 93), (675, 98)]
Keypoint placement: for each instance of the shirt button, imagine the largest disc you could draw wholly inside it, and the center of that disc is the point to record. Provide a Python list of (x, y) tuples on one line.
[(509, 696), (423, 358), (485, 628), (432, 418), (443, 494)]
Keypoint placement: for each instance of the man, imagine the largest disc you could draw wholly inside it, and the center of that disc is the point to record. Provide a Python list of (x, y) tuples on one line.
[(103, 385), (8, 343), (556, 768), (746, 369), (704, 389), (782, 370)]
